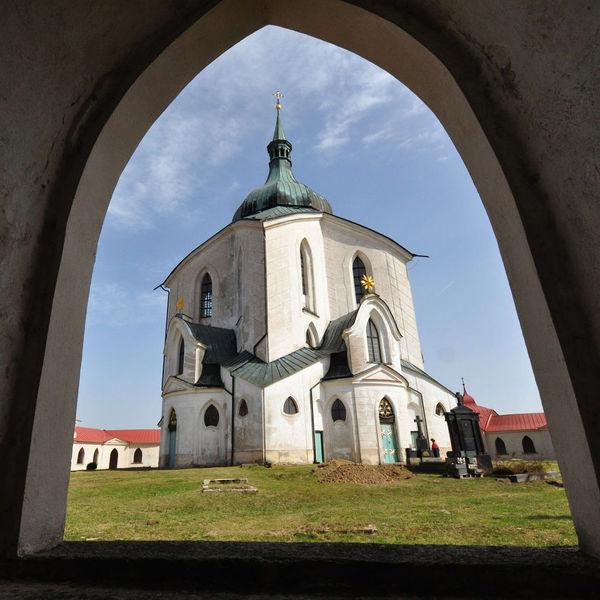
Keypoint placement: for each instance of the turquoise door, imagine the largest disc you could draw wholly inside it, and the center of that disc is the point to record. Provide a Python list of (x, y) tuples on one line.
[(388, 442), (319, 446), (172, 448)]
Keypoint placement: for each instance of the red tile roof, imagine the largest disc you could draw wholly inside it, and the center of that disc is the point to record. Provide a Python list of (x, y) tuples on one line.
[(131, 436), (490, 420), (485, 414), (517, 422)]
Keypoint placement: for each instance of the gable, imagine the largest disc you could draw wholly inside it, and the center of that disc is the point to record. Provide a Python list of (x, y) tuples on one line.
[(175, 384), (380, 374)]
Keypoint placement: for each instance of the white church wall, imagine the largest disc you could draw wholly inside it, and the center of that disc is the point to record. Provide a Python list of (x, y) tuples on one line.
[(343, 240), (367, 397), (288, 316), (234, 259), (197, 444), (432, 395), (339, 437), (372, 309), (248, 447), (288, 438), (513, 440)]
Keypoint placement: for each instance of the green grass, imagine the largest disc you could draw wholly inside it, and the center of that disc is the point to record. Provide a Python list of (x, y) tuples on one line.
[(292, 506)]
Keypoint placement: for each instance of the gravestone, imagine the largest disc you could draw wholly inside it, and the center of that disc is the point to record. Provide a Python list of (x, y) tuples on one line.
[(468, 457)]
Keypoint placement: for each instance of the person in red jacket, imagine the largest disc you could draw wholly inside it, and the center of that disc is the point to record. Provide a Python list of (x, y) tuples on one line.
[(435, 448)]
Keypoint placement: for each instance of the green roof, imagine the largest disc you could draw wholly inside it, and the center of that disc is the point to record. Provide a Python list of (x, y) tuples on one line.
[(220, 342), (262, 374), (281, 187)]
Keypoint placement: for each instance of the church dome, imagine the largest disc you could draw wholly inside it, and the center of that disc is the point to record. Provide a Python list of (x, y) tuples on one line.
[(281, 187)]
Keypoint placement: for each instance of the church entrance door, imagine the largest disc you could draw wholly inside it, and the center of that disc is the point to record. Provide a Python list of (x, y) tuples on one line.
[(172, 448), (114, 459), (388, 441), (319, 446), (387, 419)]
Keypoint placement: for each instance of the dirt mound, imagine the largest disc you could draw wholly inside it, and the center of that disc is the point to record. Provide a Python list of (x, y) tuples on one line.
[(345, 471)]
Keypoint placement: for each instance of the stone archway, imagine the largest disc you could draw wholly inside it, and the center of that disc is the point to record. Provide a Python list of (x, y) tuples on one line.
[(72, 136)]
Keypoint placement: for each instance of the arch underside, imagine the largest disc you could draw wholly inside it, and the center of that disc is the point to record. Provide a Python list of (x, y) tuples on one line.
[(545, 243)]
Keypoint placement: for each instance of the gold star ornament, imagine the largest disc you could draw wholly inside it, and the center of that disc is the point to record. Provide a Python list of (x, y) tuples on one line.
[(367, 282)]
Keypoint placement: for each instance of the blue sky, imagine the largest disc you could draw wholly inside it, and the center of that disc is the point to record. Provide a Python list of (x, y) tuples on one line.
[(362, 140)]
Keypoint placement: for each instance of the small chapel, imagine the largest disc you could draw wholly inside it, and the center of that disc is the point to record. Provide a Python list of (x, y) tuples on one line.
[(291, 337)]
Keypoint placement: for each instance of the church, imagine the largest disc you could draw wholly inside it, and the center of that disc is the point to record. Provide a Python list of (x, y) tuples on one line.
[(291, 337)]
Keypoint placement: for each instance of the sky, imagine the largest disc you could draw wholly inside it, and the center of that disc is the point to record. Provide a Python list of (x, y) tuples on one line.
[(361, 139)]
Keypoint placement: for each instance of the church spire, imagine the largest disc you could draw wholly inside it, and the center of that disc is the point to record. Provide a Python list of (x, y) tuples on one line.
[(278, 133), (279, 148), (281, 189)]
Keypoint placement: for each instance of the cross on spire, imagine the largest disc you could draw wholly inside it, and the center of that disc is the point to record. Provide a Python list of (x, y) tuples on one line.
[(279, 96)]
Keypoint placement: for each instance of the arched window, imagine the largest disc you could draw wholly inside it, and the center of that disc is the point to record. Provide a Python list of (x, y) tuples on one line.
[(312, 339), (528, 446), (386, 412), (289, 406), (500, 446), (137, 455), (95, 459), (338, 410), (211, 416), (173, 420), (306, 276), (373, 344), (358, 270), (303, 273), (180, 357), (80, 456), (439, 410), (114, 459), (243, 411), (206, 297)]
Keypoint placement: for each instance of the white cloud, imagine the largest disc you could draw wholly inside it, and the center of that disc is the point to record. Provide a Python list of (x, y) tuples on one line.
[(230, 101)]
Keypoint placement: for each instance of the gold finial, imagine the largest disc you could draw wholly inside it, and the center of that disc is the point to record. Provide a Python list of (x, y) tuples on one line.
[(367, 282), (278, 95)]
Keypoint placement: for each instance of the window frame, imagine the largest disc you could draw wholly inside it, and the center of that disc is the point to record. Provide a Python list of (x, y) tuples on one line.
[(358, 270), (371, 346), (290, 401), (206, 297)]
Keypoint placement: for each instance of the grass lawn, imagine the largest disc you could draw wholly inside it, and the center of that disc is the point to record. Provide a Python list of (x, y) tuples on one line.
[(292, 506)]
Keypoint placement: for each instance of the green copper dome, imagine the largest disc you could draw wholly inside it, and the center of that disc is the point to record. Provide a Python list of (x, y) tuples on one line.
[(281, 187)]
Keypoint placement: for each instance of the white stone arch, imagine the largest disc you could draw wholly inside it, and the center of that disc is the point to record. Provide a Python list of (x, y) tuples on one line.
[(312, 335), (440, 406), (100, 135), (178, 331)]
